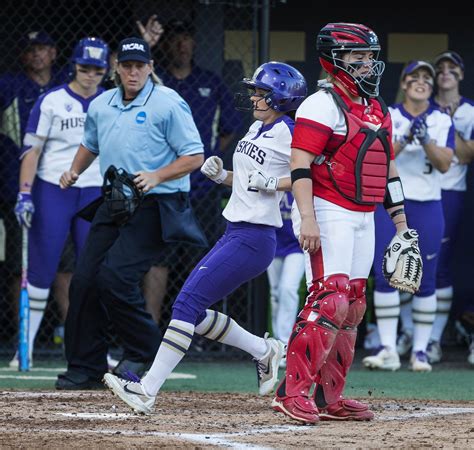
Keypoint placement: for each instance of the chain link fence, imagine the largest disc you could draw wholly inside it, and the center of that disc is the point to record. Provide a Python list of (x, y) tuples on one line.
[(222, 38)]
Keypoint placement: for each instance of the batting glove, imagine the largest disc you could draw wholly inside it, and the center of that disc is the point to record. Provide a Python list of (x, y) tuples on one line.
[(258, 180), (419, 130), (24, 209), (213, 168)]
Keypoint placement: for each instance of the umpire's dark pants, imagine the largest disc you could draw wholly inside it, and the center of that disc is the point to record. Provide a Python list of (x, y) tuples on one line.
[(105, 286)]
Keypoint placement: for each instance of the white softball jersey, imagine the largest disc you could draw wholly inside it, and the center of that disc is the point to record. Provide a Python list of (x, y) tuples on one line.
[(267, 148), (455, 178), (421, 181), (59, 117)]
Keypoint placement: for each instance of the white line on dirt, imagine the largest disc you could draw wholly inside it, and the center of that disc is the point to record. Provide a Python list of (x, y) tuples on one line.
[(219, 439), (431, 411), (15, 376)]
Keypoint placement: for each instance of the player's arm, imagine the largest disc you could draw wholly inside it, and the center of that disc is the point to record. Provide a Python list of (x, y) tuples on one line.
[(33, 146), (394, 199), (302, 186), (180, 167), (262, 181), (440, 157), (82, 160), (464, 149)]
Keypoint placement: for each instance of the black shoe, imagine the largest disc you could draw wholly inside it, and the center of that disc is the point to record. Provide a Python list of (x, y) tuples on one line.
[(131, 370), (75, 381)]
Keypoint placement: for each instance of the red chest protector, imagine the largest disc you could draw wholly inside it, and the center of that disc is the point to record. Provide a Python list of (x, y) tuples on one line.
[(358, 167)]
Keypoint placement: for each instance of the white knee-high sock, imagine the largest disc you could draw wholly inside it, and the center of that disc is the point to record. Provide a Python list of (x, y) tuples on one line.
[(38, 301), (387, 311), (405, 311), (219, 327), (173, 347), (444, 299), (424, 311)]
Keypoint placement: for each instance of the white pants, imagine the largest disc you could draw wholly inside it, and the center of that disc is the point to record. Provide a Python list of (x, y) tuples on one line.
[(284, 276), (347, 242)]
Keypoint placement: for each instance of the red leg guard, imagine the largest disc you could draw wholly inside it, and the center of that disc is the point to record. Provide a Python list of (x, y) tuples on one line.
[(332, 376), (313, 335)]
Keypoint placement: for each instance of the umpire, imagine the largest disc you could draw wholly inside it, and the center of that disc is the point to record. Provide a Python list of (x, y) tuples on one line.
[(145, 129)]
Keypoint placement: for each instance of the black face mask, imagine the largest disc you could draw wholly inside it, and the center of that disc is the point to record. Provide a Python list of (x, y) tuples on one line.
[(243, 102), (121, 195)]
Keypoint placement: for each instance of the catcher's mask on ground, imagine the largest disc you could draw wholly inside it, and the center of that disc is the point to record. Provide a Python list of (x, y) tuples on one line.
[(121, 194)]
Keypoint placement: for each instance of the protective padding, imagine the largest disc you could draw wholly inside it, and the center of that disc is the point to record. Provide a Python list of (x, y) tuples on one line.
[(314, 333), (331, 378)]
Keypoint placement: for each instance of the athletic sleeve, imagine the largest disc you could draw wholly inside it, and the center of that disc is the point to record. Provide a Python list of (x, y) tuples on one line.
[(316, 119), (181, 131), (90, 140)]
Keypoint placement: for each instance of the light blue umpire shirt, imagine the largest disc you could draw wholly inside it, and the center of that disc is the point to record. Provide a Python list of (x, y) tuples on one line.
[(151, 132)]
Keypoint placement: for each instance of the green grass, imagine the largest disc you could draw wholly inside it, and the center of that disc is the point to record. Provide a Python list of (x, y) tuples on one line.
[(441, 384)]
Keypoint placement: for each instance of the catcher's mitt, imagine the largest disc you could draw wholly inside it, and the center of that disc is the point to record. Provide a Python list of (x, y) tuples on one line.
[(402, 263)]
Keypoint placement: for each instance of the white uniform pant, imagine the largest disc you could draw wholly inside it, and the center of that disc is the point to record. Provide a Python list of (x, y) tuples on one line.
[(284, 276), (347, 242)]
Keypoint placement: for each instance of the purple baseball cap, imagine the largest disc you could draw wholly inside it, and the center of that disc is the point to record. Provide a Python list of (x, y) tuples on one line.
[(450, 56), (412, 66)]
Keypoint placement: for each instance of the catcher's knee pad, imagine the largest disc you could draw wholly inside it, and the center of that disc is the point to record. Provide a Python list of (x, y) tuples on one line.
[(314, 333), (357, 303), (332, 376)]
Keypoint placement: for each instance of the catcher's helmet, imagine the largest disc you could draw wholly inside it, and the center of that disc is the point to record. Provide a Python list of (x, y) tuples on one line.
[(286, 87), (121, 194), (91, 51), (336, 38)]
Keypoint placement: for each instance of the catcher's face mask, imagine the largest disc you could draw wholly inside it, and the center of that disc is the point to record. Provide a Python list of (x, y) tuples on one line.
[(121, 195)]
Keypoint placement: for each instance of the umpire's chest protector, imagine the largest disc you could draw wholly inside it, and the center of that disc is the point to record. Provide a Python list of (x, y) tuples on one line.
[(358, 168)]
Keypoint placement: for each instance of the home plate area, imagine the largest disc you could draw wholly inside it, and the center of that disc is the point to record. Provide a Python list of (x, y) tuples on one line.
[(191, 419)]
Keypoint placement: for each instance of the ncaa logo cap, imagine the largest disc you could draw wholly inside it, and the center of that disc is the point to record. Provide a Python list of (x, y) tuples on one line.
[(133, 49)]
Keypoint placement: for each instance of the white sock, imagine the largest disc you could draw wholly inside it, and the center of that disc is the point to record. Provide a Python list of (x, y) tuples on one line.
[(387, 311), (219, 327), (405, 311), (424, 311), (173, 347), (38, 300), (444, 299)]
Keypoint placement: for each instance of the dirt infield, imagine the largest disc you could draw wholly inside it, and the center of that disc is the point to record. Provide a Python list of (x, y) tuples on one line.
[(193, 420)]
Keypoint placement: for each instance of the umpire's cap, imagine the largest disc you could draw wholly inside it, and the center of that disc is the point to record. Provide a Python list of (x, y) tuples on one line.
[(450, 56), (133, 49), (36, 37)]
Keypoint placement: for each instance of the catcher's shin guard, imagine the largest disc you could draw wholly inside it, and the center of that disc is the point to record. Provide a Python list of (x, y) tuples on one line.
[(313, 335), (331, 378)]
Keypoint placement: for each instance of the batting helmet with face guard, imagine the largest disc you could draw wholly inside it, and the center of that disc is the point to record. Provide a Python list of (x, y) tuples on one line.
[(286, 87)]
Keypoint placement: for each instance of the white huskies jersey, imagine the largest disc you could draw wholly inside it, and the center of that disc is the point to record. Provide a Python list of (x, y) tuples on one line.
[(455, 178), (421, 181), (267, 148), (59, 117)]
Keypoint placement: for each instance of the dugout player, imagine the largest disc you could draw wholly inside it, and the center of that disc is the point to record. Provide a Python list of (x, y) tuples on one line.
[(18, 93), (53, 133), (147, 130), (449, 67), (261, 171), (336, 193), (423, 139)]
